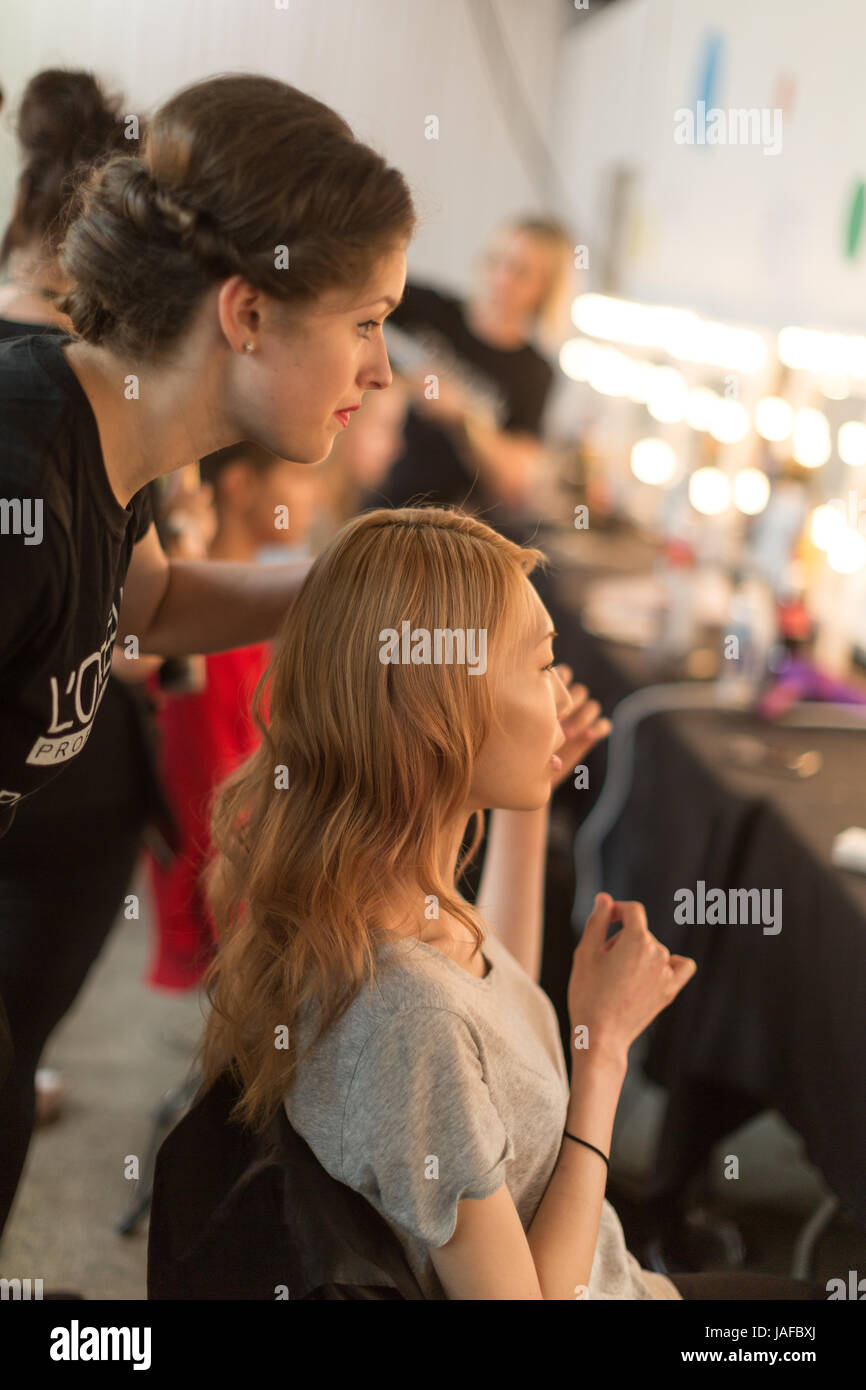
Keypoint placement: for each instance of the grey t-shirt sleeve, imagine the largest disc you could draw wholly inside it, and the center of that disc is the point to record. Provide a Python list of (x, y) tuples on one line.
[(420, 1130)]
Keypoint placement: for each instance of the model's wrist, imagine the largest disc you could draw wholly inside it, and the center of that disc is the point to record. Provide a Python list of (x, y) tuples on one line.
[(606, 1061)]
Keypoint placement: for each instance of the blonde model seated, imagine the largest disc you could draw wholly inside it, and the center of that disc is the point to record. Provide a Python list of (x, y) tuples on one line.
[(424, 1066)]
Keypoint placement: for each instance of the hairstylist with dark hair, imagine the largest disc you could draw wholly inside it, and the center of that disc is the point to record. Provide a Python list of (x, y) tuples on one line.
[(229, 284), (65, 124), (473, 440)]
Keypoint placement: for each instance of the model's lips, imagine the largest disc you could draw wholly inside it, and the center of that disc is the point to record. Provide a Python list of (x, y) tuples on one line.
[(555, 762), (343, 415)]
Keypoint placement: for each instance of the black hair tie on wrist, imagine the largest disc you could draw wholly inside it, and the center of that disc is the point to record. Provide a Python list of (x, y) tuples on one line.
[(589, 1146)]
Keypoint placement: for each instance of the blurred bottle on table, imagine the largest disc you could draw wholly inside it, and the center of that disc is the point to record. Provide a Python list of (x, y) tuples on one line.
[(748, 638), (677, 629)]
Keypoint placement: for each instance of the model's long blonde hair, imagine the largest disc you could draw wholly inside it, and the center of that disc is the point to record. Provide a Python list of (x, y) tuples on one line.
[(378, 758)]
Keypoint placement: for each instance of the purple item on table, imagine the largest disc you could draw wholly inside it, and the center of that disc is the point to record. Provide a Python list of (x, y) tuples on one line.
[(800, 680)]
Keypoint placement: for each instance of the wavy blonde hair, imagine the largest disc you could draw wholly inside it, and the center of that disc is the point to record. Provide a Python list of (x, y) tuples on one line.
[(379, 759)]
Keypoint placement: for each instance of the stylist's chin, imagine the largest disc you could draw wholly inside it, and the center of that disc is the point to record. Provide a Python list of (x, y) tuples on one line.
[(316, 446)]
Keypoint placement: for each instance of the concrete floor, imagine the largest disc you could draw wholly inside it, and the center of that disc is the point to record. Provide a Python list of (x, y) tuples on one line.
[(123, 1046)]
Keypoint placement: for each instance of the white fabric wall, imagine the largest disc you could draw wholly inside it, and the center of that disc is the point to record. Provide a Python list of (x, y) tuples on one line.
[(383, 64), (725, 229)]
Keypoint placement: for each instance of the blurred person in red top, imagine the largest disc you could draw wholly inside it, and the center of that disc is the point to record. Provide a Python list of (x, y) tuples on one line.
[(262, 507)]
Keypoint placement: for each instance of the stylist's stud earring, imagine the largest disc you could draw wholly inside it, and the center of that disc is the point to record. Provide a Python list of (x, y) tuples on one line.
[(248, 347)]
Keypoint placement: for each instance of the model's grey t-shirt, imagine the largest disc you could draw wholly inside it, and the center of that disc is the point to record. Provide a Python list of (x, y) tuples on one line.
[(436, 1085)]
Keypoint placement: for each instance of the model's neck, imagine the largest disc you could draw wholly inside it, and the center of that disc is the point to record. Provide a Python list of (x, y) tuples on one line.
[(409, 912)]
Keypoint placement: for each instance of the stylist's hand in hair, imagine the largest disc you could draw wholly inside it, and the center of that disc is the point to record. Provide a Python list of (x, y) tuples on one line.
[(582, 726), (618, 987), (447, 407)]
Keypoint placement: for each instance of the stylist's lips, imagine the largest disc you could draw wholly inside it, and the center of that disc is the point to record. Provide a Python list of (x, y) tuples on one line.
[(343, 415)]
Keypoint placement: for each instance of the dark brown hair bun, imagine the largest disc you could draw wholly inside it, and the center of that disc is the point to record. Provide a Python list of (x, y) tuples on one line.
[(236, 175)]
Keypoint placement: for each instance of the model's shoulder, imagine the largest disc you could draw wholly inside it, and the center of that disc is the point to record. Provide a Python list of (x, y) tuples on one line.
[(410, 976)]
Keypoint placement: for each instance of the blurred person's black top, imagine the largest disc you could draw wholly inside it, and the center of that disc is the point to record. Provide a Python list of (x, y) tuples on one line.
[(59, 604), (514, 382)]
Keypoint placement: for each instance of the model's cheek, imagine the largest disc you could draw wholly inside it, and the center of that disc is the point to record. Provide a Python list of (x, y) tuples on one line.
[(531, 721)]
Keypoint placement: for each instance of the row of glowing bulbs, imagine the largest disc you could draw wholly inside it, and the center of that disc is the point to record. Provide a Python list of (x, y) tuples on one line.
[(668, 399), (839, 359), (684, 335), (664, 391), (711, 492)]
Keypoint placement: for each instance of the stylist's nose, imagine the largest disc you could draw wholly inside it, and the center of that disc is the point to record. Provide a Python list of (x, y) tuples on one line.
[(377, 373)]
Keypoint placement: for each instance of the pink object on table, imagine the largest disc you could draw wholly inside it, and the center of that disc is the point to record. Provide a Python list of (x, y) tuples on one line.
[(800, 680)]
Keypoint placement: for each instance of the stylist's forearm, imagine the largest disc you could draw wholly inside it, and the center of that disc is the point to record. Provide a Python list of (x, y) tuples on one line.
[(216, 605), (564, 1231), (508, 463)]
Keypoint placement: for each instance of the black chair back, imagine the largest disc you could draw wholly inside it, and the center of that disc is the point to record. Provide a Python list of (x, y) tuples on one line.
[(238, 1217)]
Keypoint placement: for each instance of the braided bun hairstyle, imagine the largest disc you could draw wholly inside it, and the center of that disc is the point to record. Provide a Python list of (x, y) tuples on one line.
[(234, 171), (65, 124)]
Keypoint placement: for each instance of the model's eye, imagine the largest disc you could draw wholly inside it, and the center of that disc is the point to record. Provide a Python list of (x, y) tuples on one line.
[(370, 323), (550, 665)]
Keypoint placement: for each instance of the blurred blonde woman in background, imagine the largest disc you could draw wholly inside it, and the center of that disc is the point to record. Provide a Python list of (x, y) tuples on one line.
[(480, 377)]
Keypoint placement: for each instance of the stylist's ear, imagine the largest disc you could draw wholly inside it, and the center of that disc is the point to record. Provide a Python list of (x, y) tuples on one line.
[(238, 311)]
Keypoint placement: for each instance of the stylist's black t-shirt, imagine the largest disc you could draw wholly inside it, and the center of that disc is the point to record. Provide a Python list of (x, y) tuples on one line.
[(511, 384), (65, 547)]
